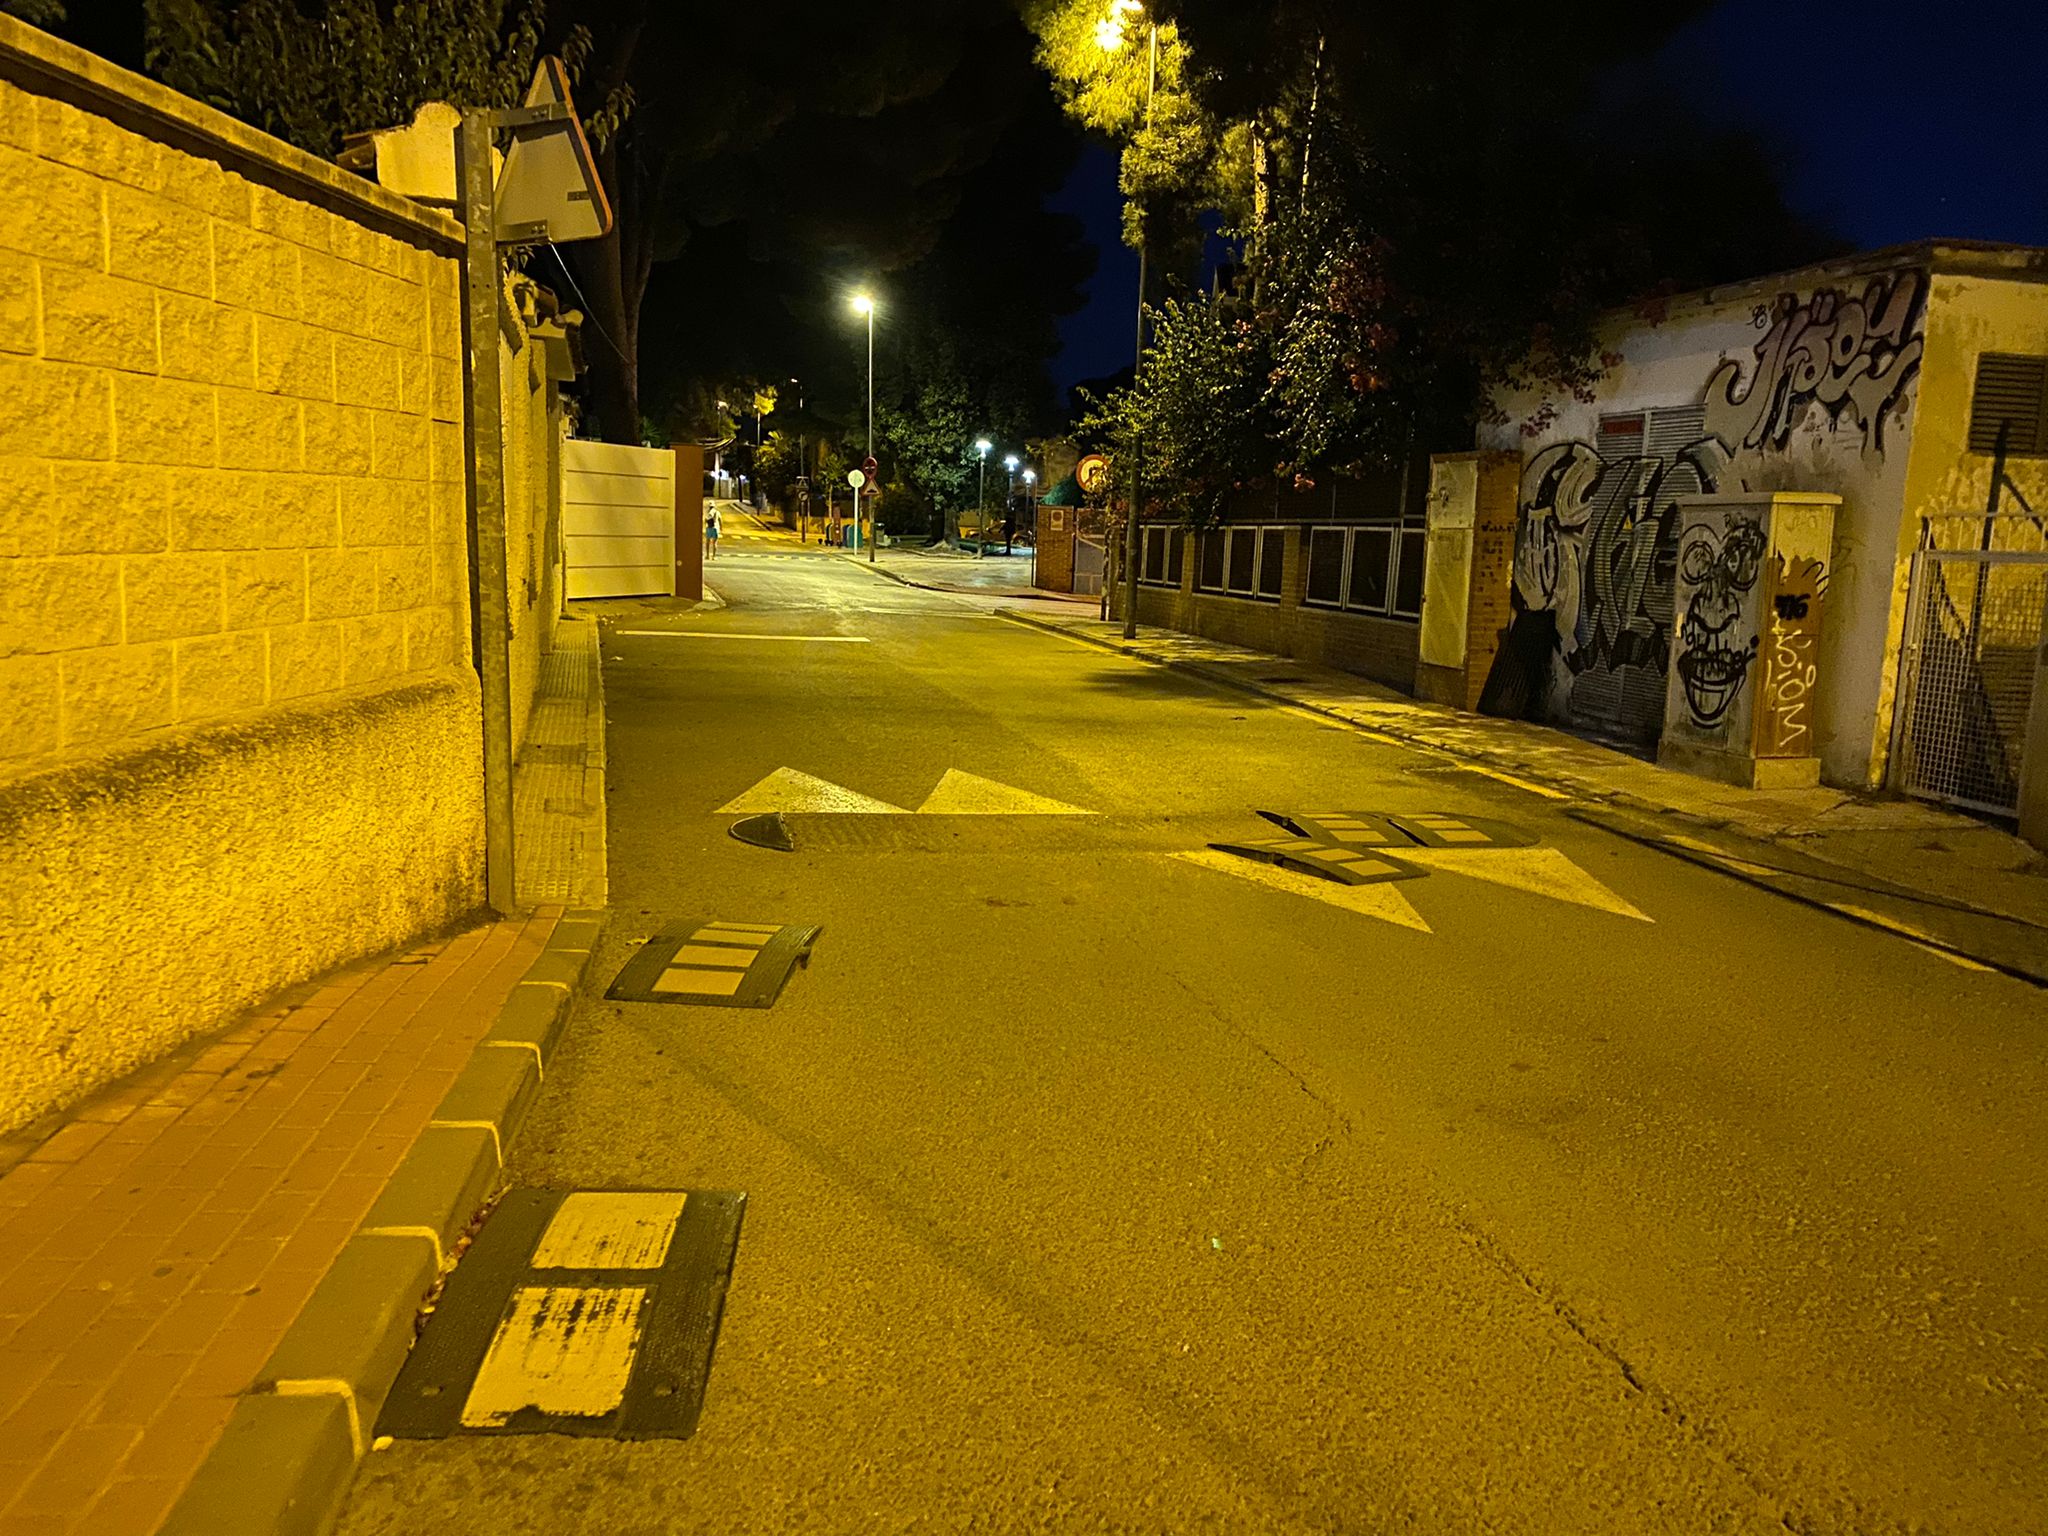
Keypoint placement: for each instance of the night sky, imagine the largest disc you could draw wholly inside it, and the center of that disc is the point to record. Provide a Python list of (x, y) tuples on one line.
[(1892, 120)]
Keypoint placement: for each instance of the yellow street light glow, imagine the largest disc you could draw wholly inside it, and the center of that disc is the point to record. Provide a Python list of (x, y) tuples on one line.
[(862, 304), (1109, 34)]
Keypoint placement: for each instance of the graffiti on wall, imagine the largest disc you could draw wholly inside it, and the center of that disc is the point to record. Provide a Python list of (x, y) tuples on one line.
[(1843, 352), (1593, 580), (1716, 643), (1784, 725)]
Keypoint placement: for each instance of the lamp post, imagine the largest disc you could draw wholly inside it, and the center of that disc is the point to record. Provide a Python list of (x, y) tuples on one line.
[(1009, 496), (1109, 33), (981, 446), (1009, 525), (864, 305)]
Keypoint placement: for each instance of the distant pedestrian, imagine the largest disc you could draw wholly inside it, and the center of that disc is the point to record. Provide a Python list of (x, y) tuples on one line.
[(711, 531)]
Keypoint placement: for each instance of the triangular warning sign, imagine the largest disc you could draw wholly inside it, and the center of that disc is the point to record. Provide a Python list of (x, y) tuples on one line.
[(968, 794), (549, 187), (1384, 902), (1539, 871), (788, 790)]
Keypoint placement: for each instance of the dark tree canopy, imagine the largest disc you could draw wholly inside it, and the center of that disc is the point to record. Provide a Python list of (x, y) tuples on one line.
[(1442, 198)]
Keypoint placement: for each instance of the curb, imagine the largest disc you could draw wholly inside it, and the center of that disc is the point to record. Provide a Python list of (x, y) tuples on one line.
[(289, 1452)]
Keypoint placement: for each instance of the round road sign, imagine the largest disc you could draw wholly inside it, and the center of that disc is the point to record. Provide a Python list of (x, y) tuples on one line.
[(856, 479), (1092, 473)]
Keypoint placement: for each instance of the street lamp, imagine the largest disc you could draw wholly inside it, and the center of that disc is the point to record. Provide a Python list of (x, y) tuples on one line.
[(1009, 496), (1030, 479), (865, 305), (1109, 34), (981, 446)]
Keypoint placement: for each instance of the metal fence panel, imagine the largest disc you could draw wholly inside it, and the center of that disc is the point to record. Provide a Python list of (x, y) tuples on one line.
[(1975, 620)]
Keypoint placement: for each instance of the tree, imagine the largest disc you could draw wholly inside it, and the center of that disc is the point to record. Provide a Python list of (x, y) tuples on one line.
[(1444, 201), (37, 13), (359, 65)]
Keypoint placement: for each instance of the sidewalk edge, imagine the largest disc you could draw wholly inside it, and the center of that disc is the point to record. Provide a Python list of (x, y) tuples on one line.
[(284, 1463)]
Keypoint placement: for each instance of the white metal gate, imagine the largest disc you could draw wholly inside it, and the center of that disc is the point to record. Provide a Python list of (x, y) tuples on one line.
[(1975, 622), (618, 519)]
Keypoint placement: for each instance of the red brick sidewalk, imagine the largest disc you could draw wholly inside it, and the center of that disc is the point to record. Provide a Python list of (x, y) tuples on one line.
[(154, 1250)]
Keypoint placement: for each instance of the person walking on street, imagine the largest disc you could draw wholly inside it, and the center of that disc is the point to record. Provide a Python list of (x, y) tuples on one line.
[(711, 531)]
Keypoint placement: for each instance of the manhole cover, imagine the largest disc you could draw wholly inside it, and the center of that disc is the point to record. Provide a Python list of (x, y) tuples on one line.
[(718, 965), (585, 1312)]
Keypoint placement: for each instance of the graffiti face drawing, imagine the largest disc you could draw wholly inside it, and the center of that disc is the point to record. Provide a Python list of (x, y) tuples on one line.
[(1719, 568)]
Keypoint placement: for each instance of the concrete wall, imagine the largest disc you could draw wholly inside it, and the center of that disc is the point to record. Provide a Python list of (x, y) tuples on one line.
[(238, 725), (1804, 383)]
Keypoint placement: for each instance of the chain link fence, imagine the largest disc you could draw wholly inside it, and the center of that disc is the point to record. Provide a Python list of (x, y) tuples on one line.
[(1975, 622)]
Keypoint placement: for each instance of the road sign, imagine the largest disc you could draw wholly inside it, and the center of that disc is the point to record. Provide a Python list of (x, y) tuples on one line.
[(1092, 473), (871, 469), (549, 187), (856, 479)]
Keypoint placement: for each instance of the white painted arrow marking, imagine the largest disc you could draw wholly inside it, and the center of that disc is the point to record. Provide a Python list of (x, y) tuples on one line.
[(786, 789), (1383, 901), (969, 794), (1539, 871)]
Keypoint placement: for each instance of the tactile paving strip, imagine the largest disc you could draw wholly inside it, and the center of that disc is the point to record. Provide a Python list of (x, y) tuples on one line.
[(714, 964)]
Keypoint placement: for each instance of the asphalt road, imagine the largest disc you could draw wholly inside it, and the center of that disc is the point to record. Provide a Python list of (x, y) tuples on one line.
[(1092, 1188)]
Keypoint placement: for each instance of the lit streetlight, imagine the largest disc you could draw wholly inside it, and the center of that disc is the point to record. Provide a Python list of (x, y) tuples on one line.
[(1009, 496), (1109, 33), (1030, 479), (981, 446), (863, 304)]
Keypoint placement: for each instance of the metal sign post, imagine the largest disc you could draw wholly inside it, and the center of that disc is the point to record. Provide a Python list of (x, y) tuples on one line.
[(549, 191), (490, 616)]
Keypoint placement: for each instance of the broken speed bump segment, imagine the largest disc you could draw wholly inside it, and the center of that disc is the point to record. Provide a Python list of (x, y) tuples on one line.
[(284, 1462), (1303, 855), (714, 965), (584, 1312)]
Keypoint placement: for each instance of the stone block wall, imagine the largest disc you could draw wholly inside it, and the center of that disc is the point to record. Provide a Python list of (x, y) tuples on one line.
[(230, 452), (239, 733)]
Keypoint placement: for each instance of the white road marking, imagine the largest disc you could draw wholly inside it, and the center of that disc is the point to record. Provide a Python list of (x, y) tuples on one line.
[(787, 789), (968, 794), (610, 1229), (1383, 901), (560, 1349), (1539, 871), (708, 634)]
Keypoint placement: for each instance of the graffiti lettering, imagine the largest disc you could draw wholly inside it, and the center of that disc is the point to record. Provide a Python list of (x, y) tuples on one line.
[(1719, 567), (1784, 726), (1853, 353), (1594, 556)]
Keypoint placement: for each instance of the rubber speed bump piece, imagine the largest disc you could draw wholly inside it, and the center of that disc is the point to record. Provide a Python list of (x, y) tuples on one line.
[(1437, 829), (1402, 829), (585, 1312), (767, 831), (1305, 856), (716, 965)]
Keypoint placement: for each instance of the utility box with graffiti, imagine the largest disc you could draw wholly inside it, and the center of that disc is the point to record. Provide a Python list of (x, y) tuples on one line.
[(1744, 677)]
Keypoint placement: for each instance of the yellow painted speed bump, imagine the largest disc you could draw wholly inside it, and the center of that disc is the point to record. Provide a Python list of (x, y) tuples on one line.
[(720, 965), (586, 1312), (1347, 866)]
